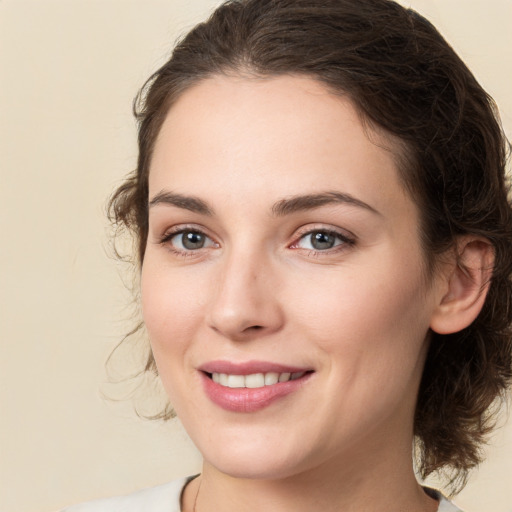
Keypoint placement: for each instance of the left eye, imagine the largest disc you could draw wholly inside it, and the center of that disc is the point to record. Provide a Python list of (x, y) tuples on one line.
[(320, 240), (190, 240)]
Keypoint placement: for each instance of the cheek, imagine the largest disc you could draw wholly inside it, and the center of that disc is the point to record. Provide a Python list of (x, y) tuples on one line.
[(171, 305), (370, 332), (375, 314), (170, 309)]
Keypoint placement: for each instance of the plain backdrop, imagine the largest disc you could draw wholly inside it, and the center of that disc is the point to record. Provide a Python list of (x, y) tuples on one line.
[(68, 72)]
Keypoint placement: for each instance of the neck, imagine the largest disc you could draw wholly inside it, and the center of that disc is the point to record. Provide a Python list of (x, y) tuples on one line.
[(383, 484)]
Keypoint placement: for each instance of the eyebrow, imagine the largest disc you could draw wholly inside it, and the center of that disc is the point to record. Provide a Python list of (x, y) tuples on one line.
[(194, 204), (312, 201), (279, 209)]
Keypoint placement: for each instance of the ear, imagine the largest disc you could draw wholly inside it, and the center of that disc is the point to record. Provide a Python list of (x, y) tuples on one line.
[(466, 280)]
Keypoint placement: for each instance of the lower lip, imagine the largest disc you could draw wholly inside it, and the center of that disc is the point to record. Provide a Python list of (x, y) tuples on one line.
[(249, 399)]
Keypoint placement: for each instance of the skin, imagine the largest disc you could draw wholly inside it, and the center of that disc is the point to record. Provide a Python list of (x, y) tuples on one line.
[(358, 313)]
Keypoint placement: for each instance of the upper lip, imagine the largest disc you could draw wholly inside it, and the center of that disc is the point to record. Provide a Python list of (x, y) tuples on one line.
[(249, 367)]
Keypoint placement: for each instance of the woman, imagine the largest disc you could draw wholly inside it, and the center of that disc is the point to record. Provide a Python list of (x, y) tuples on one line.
[(324, 236)]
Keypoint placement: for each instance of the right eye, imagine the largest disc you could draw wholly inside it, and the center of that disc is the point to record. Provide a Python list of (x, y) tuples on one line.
[(188, 240)]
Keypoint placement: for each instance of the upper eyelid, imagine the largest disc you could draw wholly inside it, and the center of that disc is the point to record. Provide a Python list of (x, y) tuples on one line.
[(166, 238), (312, 228), (180, 228), (295, 237)]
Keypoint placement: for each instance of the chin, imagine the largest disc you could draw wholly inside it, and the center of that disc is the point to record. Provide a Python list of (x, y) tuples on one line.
[(253, 469), (259, 461)]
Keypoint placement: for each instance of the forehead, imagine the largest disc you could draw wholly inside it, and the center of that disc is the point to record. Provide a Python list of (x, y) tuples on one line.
[(244, 131)]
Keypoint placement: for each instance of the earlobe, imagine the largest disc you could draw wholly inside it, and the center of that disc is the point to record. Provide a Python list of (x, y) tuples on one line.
[(466, 283)]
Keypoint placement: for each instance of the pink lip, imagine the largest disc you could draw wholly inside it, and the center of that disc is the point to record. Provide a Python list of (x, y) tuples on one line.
[(248, 367), (249, 399)]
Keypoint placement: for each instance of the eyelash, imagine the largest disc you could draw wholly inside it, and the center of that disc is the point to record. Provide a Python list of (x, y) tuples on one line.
[(180, 230), (345, 241)]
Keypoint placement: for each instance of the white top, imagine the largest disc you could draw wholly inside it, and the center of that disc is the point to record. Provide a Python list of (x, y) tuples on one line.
[(163, 498), (166, 498)]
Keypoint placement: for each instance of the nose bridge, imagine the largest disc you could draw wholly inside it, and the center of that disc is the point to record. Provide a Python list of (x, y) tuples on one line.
[(245, 301)]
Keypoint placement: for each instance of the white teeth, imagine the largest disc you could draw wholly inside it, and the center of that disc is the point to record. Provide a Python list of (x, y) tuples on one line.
[(236, 381), (254, 380), (271, 378)]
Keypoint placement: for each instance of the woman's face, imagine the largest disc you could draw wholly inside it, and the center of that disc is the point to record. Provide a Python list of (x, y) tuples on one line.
[(283, 284)]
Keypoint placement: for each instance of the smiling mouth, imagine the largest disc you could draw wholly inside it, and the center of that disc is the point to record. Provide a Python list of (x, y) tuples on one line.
[(252, 386), (254, 380)]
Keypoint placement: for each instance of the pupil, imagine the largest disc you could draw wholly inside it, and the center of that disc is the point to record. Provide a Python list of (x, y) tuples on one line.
[(322, 240), (192, 240)]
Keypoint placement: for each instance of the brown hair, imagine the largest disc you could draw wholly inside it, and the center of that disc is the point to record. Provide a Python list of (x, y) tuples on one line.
[(404, 78)]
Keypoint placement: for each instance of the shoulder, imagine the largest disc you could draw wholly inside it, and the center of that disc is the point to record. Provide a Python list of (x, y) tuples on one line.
[(446, 506), (163, 498)]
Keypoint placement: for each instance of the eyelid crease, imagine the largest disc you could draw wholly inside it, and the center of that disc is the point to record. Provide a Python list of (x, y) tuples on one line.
[(325, 228), (176, 230)]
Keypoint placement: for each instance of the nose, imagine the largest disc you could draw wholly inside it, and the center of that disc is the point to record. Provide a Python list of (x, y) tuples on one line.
[(245, 304)]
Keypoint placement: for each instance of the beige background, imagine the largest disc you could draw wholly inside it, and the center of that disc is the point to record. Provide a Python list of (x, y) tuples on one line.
[(68, 72)]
